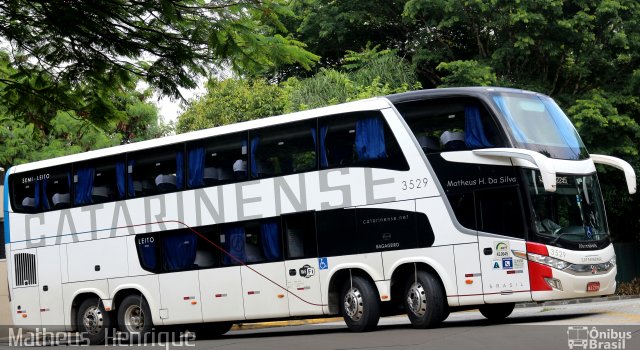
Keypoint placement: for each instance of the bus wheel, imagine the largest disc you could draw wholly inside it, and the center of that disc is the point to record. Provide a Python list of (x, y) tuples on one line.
[(360, 305), (211, 330), (93, 321), (497, 312), (134, 316), (424, 300)]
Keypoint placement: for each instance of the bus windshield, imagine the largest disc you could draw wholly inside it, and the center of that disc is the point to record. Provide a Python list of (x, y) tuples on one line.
[(537, 123), (575, 212)]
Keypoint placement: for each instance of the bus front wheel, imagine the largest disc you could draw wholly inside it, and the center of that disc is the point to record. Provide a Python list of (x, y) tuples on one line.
[(93, 321), (497, 312), (360, 304), (424, 300), (134, 316)]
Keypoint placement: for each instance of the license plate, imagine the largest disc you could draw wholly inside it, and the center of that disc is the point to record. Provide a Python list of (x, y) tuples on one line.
[(593, 286)]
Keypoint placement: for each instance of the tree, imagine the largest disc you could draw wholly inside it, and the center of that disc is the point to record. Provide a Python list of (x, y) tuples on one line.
[(70, 55), (235, 100)]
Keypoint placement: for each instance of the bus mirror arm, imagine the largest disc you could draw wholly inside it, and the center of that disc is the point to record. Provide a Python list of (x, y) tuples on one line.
[(547, 170), (629, 173)]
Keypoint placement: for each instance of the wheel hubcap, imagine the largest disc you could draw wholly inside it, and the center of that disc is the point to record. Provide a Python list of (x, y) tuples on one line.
[(92, 320), (417, 299), (134, 319), (353, 304)]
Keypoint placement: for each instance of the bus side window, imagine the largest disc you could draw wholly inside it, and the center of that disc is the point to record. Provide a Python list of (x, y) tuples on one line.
[(360, 139), (252, 242), (337, 232), (217, 161), (179, 250), (300, 235), (499, 211), (451, 124), (283, 149), (147, 246), (159, 170), (99, 182)]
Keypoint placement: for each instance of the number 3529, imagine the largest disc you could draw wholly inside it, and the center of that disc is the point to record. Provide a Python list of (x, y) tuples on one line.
[(414, 183)]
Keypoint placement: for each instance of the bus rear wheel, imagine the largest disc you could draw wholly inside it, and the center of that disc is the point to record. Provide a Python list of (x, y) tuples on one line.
[(93, 321), (134, 316), (360, 304), (497, 312), (424, 300)]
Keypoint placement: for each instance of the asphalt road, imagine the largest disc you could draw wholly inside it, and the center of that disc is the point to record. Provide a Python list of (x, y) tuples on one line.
[(602, 325)]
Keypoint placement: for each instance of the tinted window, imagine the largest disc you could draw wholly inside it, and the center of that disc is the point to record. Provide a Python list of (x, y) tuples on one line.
[(155, 171), (217, 161), (252, 242), (337, 232), (283, 149), (42, 190), (451, 124), (147, 246), (499, 211), (300, 235), (99, 181), (358, 139)]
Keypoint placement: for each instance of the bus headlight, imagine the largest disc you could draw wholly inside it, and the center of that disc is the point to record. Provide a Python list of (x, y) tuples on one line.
[(549, 261)]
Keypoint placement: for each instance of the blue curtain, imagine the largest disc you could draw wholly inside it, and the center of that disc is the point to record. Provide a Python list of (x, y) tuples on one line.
[(120, 179), (565, 128), (270, 232), (179, 250), (148, 254), (370, 139), (255, 141), (515, 129), (44, 199), (234, 244), (179, 170), (196, 167), (474, 136), (37, 194), (130, 189), (84, 186), (324, 161)]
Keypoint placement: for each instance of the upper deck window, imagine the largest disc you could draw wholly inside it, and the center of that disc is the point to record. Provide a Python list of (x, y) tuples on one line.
[(538, 124), (450, 124)]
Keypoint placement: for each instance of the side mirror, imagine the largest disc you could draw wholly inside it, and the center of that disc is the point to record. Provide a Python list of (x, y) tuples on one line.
[(629, 173), (547, 170)]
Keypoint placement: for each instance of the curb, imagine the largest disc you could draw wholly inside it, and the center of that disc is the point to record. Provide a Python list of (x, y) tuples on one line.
[(577, 301), (285, 323)]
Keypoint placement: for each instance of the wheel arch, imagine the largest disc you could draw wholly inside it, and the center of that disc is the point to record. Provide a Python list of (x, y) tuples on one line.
[(404, 269), (338, 277), (125, 290), (78, 298)]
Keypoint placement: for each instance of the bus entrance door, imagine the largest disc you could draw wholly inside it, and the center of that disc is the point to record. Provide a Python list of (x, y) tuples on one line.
[(505, 277)]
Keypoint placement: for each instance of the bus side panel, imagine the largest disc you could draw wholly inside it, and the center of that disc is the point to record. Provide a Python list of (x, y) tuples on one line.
[(441, 221), (148, 286), (221, 291), (51, 301), (25, 307), (99, 259), (468, 274)]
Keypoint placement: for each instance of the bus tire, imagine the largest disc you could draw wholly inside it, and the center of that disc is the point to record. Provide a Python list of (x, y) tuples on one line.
[(497, 312), (93, 321), (424, 300), (134, 316), (360, 304), (211, 330)]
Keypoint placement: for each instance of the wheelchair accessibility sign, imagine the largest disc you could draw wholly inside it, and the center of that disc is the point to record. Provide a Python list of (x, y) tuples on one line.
[(323, 264)]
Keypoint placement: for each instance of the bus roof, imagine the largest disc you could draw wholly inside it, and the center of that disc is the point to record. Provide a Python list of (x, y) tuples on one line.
[(361, 105), (451, 92)]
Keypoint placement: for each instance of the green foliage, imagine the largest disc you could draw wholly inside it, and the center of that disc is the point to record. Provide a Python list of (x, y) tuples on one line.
[(232, 101), (75, 55), (466, 73), (236, 100)]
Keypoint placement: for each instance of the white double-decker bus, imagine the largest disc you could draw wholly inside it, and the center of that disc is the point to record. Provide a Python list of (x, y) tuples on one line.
[(420, 203)]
